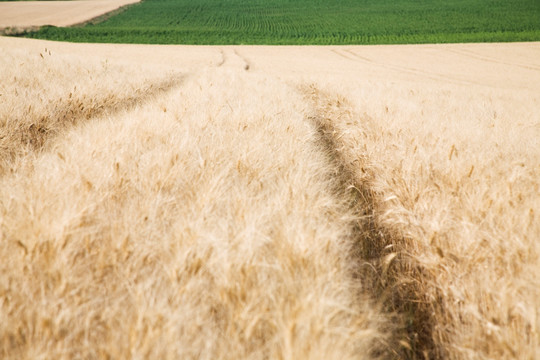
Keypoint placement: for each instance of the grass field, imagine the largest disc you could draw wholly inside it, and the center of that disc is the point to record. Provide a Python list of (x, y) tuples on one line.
[(319, 22), (269, 202)]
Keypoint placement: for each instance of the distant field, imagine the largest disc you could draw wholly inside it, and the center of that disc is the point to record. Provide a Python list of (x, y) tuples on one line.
[(319, 22), (16, 17)]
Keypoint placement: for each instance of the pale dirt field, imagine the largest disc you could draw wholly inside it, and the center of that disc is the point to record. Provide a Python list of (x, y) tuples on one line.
[(21, 14), (269, 202)]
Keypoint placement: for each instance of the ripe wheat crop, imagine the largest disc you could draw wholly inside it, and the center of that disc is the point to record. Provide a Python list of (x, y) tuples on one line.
[(456, 206), (54, 102), (282, 203), (201, 225)]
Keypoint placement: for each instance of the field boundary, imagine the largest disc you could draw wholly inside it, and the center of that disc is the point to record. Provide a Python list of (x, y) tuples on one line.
[(25, 30), (18, 30), (101, 18)]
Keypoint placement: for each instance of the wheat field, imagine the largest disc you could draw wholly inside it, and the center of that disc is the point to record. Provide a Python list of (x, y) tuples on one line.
[(181, 202)]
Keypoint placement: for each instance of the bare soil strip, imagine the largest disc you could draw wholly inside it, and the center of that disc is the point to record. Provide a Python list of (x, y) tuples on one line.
[(24, 14)]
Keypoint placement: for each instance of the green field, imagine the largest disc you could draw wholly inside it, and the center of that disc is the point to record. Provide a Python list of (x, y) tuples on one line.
[(320, 22)]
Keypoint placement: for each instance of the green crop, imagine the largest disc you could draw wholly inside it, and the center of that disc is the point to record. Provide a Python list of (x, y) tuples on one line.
[(321, 22)]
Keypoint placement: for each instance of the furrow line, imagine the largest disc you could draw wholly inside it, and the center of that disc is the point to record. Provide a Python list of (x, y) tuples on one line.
[(383, 267), (32, 133)]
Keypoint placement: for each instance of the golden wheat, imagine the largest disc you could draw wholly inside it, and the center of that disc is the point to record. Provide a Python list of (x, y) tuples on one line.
[(255, 202), (52, 100), (458, 204), (175, 231)]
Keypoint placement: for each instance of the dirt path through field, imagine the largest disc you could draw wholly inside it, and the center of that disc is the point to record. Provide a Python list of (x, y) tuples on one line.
[(22, 14)]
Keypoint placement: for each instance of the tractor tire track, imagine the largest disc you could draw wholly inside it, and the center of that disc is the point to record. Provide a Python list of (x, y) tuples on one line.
[(483, 58), (247, 63), (384, 269), (353, 56), (223, 58), (418, 72), (232, 58), (35, 130)]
